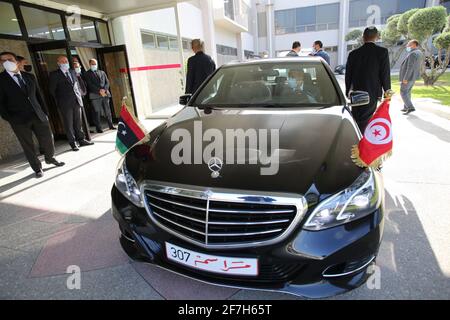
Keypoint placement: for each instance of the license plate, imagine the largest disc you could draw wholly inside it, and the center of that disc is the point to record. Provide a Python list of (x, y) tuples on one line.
[(216, 264)]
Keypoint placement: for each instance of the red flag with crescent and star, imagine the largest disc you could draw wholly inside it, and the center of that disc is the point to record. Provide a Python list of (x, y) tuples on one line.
[(377, 143)]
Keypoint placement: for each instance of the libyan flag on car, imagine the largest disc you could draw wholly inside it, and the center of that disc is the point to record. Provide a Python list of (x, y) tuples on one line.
[(129, 131), (377, 143)]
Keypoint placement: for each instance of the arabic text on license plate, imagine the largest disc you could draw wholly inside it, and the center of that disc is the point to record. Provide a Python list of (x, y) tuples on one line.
[(207, 262)]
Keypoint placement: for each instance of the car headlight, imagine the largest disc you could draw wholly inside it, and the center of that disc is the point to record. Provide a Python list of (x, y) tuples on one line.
[(359, 200), (126, 184)]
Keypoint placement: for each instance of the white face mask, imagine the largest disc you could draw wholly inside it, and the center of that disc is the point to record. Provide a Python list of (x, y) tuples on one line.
[(10, 66), (94, 67), (78, 70), (64, 67)]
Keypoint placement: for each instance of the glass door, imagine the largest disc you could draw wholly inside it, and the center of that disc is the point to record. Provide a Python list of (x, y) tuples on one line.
[(114, 61)]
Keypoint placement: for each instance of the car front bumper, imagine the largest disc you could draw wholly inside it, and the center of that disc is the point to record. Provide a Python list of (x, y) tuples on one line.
[(311, 264)]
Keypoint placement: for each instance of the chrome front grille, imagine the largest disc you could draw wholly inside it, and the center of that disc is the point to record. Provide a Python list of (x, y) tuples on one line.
[(218, 218)]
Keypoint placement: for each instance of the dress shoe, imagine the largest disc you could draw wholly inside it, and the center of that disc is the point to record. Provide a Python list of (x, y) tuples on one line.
[(409, 111), (74, 147), (84, 143), (404, 109), (99, 131), (55, 162), (39, 174), (112, 128)]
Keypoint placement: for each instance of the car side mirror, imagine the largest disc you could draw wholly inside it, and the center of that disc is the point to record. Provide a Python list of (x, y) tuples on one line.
[(359, 98), (184, 99)]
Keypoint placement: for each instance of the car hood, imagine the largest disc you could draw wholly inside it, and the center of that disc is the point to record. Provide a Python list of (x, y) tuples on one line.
[(314, 150)]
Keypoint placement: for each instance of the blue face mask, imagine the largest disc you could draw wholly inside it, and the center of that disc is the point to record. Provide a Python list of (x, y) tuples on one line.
[(292, 82), (408, 49), (94, 68)]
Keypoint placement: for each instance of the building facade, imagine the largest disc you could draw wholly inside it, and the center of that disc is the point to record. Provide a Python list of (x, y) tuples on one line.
[(281, 22)]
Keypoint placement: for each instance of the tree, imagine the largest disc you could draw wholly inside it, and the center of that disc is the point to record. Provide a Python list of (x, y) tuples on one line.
[(423, 25), (391, 36), (402, 25), (355, 35)]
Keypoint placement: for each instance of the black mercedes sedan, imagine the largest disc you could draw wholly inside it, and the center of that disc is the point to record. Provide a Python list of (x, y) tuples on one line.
[(252, 185)]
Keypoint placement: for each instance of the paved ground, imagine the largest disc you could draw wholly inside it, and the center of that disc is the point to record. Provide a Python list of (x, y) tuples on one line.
[(64, 219)]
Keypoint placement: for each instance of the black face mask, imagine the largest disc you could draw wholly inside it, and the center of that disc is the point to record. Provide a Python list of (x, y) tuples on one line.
[(28, 68)]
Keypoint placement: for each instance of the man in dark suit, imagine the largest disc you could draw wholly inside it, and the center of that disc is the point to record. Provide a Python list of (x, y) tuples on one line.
[(98, 88), (200, 67), (368, 69), (22, 106), (66, 90)]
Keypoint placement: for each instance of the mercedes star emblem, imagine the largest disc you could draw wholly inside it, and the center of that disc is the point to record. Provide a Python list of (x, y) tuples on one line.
[(215, 165)]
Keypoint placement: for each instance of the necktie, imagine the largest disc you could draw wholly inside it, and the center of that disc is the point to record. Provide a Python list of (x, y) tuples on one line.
[(21, 82), (69, 77)]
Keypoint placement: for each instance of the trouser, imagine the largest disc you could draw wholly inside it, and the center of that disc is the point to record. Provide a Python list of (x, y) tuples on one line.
[(99, 105), (405, 92), (44, 135), (72, 123), (363, 114)]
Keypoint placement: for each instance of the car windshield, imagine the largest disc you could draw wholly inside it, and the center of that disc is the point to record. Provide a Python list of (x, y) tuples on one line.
[(282, 84)]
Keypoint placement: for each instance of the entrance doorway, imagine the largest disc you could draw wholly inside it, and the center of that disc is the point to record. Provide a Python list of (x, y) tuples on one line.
[(114, 60)]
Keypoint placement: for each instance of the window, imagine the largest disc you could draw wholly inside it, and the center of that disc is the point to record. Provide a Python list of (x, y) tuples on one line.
[(163, 42), (173, 43), (83, 32), (103, 32), (186, 44), (375, 12), (229, 8), (8, 22), (262, 24), (43, 24), (307, 19), (446, 3), (265, 84), (226, 51), (148, 40)]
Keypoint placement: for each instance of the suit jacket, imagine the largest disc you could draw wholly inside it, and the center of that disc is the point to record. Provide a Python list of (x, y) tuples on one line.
[(410, 69), (368, 69), (95, 82), (200, 67), (17, 106), (66, 94), (82, 84)]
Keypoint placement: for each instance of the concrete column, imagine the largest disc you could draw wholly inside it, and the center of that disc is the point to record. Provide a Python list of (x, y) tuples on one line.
[(126, 32), (240, 46), (270, 28), (343, 30), (432, 3), (208, 28), (180, 45)]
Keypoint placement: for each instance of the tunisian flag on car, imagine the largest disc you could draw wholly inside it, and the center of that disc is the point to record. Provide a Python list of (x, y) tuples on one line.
[(377, 143), (129, 131)]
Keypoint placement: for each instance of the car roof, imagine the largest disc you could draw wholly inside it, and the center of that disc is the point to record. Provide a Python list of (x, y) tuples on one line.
[(273, 60)]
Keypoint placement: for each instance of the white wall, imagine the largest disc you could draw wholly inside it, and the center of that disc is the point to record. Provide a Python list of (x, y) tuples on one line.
[(289, 4)]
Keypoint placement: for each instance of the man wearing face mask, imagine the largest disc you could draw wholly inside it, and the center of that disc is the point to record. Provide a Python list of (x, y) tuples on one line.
[(98, 88), (65, 89), (296, 92), (21, 105), (24, 65), (409, 73), (319, 52)]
